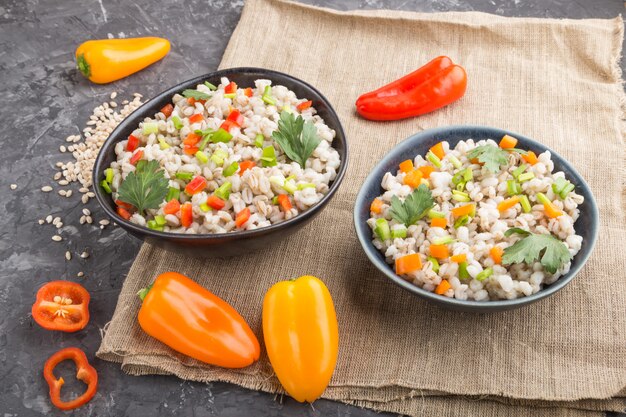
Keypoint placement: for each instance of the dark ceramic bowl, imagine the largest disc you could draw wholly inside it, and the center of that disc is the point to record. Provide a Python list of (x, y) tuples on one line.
[(586, 225), (233, 243)]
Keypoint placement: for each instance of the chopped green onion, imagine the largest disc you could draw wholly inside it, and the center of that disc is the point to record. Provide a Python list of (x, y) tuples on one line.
[(526, 177), (221, 136), (525, 202), (460, 196), (541, 197), (277, 180), (432, 214), (304, 185), (463, 274), (163, 144), (160, 220), (460, 186), (230, 95), (433, 159), (455, 162), (562, 187), (275, 200), (269, 157), (172, 194), (468, 174), (231, 169), (398, 231), (258, 140), (207, 135), (205, 207), (513, 187), (483, 275), (185, 176), (108, 175), (223, 190), (150, 128), (202, 157), (178, 124), (382, 229), (152, 224), (565, 191), (435, 264), (291, 177), (290, 187), (267, 97), (105, 186), (519, 170), (218, 156), (211, 86), (445, 240), (461, 221), (457, 178)]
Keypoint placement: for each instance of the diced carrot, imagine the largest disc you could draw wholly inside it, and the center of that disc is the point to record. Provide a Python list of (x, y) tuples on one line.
[(465, 210), (406, 166), (123, 213), (190, 150), (192, 101), (475, 161), (283, 201), (551, 210), (167, 110), (215, 202), (413, 178), (408, 263), (508, 203), (438, 150), (242, 217), (443, 286), (196, 185), (245, 165), (530, 158), (248, 92), (438, 222), (376, 206), (426, 170), (459, 258), (171, 207), (123, 204), (136, 157), (196, 118), (133, 143), (186, 214), (496, 254), (192, 139), (439, 251), (508, 142), (304, 105)]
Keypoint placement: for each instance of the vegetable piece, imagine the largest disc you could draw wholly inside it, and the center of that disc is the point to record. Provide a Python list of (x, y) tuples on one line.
[(433, 214), (204, 207), (215, 202), (519, 170), (230, 169), (303, 185), (466, 210), (218, 156), (492, 156), (132, 143), (61, 305), (160, 220), (418, 93), (136, 157), (178, 124), (526, 177), (513, 187), (414, 207), (438, 150), (259, 140), (235, 117), (163, 144), (413, 178), (382, 229), (283, 201), (105, 186), (123, 213), (228, 125), (304, 105), (248, 92), (201, 157), (191, 320), (149, 128), (461, 221), (84, 372), (463, 274), (172, 207), (548, 207), (221, 135), (398, 231), (301, 336), (459, 258), (426, 170), (433, 159), (550, 251), (230, 88), (408, 263), (210, 86), (186, 214), (230, 95), (455, 161), (496, 254), (376, 206), (196, 185), (523, 200), (267, 96), (223, 191), (245, 165), (508, 142), (439, 251), (530, 158), (242, 217), (172, 194), (108, 175), (145, 188), (196, 118), (484, 274), (268, 157), (297, 138), (167, 110), (438, 222), (443, 286), (152, 224), (192, 139), (561, 187), (508, 203), (461, 196), (434, 263), (406, 166), (444, 240), (196, 95), (106, 60), (185, 176), (122, 204)]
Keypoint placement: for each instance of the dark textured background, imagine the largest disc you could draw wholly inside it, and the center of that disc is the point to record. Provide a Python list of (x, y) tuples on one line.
[(45, 100)]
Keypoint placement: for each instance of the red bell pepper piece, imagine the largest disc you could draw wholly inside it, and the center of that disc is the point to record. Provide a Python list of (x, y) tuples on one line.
[(190, 150), (167, 110), (304, 105), (283, 201), (248, 92), (186, 214), (136, 157), (215, 202), (196, 185), (196, 118), (84, 372), (230, 88), (227, 125), (192, 139), (192, 101), (242, 217), (132, 144), (123, 204), (245, 165), (124, 214), (236, 117), (171, 207), (62, 305)]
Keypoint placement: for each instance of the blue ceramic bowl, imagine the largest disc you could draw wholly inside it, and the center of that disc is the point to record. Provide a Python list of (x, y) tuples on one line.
[(586, 225)]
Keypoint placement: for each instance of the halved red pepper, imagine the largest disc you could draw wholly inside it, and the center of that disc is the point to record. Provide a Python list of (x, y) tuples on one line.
[(429, 88), (84, 372), (62, 305)]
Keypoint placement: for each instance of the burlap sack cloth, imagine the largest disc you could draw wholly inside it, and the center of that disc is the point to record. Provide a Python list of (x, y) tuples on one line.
[(557, 81)]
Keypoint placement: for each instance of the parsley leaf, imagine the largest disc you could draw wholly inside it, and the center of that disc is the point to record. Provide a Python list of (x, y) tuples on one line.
[(297, 138), (530, 248), (146, 187), (492, 156), (198, 95), (414, 207)]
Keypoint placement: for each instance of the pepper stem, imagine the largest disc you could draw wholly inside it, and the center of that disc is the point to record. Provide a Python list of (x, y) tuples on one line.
[(144, 291), (83, 65)]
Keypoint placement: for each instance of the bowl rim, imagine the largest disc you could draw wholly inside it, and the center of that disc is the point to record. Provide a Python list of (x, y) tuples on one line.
[(482, 306), (108, 146)]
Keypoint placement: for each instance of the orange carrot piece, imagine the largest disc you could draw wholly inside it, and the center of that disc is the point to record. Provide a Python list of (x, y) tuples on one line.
[(438, 222), (508, 203), (426, 170), (443, 286), (551, 210), (376, 206), (283, 201), (408, 263), (242, 217), (464, 210), (413, 178), (171, 207), (439, 251), (406, 166), (245, 165), (530, 158), (438, 150), (508, 142), (459, 258), (496, 254)]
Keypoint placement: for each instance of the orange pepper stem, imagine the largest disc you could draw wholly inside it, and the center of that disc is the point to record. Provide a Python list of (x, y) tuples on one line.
[(83, 66), (144, 291)]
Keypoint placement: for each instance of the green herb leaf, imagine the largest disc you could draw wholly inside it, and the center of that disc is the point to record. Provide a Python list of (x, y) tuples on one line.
[(414, 207), (490, 155), (297, 138), (146, 187), (198, 95), (552, 253)]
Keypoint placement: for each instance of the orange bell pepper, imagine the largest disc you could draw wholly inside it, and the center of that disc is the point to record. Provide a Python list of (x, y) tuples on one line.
[(193, 321), (301, 336), (106, 60)]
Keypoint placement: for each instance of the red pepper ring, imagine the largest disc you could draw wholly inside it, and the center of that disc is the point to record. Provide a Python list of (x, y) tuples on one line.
[(62, 305), (84, 372)]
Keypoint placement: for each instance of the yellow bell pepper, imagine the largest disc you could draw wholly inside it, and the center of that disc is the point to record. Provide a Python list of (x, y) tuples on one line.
[(106, 60), (301, 336)]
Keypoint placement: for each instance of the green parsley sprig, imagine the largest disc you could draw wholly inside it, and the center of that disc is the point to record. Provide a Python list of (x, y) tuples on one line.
[(414, 207), (490, 155), (297, 138), (146, 187), (551, 252)]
